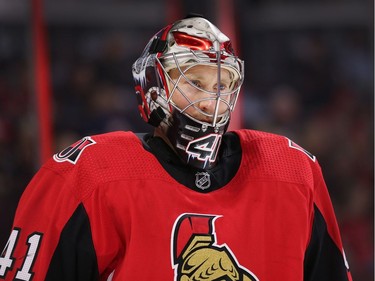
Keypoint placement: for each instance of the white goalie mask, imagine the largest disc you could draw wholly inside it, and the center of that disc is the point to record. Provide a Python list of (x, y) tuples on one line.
[(167, 61)]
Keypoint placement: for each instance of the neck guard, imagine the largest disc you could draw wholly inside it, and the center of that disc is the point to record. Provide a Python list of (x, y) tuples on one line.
[(196, 144)]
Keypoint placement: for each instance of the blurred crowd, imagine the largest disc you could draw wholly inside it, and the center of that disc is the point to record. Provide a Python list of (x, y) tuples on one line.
[(314, 87), (317, 88)]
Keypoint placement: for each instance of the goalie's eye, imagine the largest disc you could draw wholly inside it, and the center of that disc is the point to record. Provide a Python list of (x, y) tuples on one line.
[(196, 83)]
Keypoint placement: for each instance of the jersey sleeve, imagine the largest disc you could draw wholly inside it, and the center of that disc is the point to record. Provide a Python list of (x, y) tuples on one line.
[(325, 257), (54, 237)]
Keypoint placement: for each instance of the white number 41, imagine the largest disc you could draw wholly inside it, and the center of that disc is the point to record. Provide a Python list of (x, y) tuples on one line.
[(7, 259)]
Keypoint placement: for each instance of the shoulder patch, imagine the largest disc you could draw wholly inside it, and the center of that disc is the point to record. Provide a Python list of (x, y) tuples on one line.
[(74, 151), (296, 146)]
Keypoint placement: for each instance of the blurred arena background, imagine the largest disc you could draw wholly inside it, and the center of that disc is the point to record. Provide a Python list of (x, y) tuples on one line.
[(309, 76)]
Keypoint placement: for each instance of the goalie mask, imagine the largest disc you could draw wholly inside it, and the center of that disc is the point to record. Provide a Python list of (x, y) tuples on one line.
[(187, 81)]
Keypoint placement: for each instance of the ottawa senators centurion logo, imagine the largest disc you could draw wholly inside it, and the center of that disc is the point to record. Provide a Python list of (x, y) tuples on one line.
[(197, 257)]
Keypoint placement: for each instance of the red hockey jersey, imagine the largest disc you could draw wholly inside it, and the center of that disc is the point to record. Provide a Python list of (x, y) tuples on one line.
[(106, 209)]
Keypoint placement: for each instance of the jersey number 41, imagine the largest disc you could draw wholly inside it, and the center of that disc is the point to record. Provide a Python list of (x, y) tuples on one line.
[(7, 260)]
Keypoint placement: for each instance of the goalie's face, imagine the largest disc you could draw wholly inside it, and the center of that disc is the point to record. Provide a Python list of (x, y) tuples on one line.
[(202, 92)]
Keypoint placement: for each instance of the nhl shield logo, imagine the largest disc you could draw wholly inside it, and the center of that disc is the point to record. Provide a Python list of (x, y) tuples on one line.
[(202, 180)]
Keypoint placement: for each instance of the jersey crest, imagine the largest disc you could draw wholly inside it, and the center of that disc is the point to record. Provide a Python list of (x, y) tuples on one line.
[(197, 257), (73, 152)]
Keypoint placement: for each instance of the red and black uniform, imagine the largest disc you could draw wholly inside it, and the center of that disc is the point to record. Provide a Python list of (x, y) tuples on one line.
[(123, 207)]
